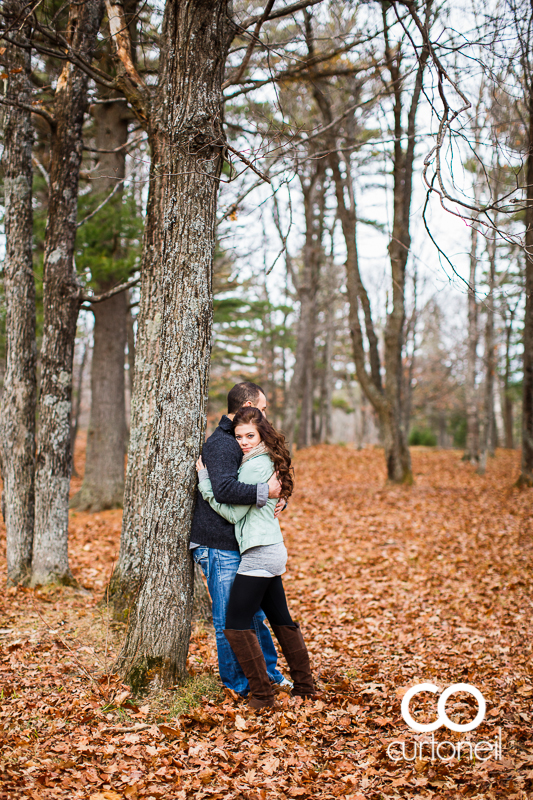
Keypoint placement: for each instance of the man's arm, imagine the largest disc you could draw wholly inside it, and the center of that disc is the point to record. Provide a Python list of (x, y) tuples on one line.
[(232, 513)]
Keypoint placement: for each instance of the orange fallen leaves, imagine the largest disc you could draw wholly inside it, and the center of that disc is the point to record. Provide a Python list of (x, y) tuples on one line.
[(393, 586)]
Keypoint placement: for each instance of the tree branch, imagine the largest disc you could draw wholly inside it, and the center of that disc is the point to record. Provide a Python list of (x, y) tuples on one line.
[(248, 163), (283, 12), (129, 80), (102, 204), (247, 56), (27, 107), (99, 298)]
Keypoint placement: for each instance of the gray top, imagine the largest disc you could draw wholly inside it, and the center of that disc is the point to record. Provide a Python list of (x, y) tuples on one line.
[(264, 560)]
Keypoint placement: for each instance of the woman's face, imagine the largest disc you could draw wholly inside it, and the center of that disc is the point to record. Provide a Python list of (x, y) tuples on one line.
[(247, 436)]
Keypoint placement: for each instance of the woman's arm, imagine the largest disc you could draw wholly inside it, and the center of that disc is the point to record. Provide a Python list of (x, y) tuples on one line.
[(232, 513)]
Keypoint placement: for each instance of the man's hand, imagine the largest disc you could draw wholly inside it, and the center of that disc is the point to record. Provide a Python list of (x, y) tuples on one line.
[(280, 506), (274, 486)]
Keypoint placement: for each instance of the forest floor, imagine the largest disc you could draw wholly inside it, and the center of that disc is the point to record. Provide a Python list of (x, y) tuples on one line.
[(392, 586)]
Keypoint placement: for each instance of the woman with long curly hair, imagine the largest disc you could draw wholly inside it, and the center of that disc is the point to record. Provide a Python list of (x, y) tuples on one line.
[(258, 581)]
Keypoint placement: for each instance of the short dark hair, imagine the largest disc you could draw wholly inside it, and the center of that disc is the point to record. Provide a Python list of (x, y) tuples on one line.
[(241, 393)]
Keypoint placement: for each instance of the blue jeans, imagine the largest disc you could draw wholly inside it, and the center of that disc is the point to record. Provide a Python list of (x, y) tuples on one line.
[(220, 568)]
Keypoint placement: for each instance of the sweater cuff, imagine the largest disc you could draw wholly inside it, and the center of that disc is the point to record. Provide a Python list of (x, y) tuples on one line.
[(203, 475), (262, 494)]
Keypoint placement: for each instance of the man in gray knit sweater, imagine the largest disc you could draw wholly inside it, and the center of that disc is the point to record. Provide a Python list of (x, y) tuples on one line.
[(213, 538)]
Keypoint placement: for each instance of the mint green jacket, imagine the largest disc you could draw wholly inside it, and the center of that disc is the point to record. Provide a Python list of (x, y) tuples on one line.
[(253, 525)]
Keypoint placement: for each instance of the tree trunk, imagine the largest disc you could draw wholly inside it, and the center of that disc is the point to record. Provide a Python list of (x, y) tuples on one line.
[(301, 387), (174, 340), (61, 304), (103, 481), (17, 420), (75, 422), (328, 375), (490, 366), (506, 392), (202, 607), (472, 418), (526, 468)]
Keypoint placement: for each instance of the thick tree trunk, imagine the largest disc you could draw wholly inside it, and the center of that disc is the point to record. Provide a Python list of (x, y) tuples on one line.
[(174, 340), (526, 469), (17, 420), (61, 305), (103, 482)]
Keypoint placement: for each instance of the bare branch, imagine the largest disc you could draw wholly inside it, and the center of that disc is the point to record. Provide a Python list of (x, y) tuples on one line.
[(247, 56), (128, 78), (99, 298), (41, 169), (248, 163), (34, 110), (124, 146), (102, 204), (305, 66), (283, 12)]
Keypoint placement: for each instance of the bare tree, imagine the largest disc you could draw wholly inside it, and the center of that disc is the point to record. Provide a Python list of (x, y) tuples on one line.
[(472, 416), (386, 399), (17, 421), (487, 447), (306, 283)]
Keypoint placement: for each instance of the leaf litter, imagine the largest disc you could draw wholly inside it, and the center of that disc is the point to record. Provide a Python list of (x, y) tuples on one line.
[(393, 586)]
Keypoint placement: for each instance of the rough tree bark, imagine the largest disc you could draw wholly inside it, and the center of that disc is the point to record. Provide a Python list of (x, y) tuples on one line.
[(173, 340), (103, 481), (61, 305), (17, 420)]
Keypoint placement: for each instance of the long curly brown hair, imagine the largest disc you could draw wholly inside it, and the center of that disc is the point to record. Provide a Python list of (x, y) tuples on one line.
[(273, 441)]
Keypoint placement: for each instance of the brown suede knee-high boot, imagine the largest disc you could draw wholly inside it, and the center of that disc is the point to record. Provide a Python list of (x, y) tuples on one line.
[(248, 653), (294, 649)]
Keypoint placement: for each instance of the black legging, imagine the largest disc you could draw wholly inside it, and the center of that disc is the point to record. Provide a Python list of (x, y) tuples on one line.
[(249, 594)]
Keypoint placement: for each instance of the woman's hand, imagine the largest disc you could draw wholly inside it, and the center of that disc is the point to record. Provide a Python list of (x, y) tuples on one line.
[(281, 505), (199, 464)]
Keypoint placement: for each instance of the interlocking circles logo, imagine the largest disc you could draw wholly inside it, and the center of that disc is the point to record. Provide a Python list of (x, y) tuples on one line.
[(445, 751)]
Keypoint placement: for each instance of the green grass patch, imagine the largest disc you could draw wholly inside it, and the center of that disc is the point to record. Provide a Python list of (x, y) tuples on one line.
[(189, 696)]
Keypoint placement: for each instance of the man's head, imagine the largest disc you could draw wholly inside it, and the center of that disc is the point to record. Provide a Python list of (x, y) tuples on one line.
[(246, 394)]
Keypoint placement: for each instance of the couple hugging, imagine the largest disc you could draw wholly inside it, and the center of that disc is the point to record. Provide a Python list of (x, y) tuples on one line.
[(237, 540)]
